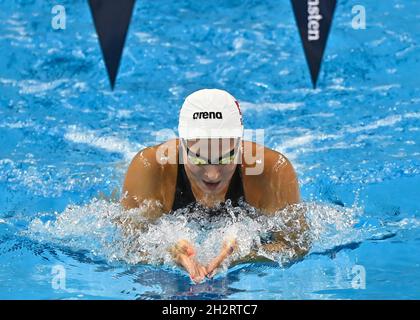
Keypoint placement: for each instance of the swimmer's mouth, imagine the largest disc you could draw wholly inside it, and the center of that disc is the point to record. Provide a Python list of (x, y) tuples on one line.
[(211, 185)]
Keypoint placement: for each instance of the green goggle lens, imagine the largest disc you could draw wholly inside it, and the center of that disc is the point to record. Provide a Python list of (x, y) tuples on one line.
[(196, 160), (227, 160), (200, 161)]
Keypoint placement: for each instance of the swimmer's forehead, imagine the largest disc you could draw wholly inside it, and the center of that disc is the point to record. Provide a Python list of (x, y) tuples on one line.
[(221, 144)]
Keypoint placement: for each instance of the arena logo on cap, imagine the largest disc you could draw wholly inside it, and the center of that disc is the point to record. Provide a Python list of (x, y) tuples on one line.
[(207, 115), (314, 18)]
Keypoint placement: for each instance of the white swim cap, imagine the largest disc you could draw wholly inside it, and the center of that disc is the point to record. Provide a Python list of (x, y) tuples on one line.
[(210, 113)]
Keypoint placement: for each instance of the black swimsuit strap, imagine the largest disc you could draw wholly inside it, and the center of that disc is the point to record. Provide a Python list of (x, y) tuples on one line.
[(184, 195)]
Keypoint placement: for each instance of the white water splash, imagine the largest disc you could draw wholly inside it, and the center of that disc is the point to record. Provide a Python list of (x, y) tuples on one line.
[(106, 230)]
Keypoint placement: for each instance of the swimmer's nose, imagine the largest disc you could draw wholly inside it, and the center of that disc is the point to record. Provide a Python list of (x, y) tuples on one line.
[(212, 173)]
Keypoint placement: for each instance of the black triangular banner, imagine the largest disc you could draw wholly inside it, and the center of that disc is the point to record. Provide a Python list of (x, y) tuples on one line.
[(314, 18), (111, 18)]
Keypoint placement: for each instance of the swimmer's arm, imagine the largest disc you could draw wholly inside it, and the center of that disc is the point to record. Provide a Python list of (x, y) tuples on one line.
[(252, 257), (141, 185), (298, 240), (139, 192), (285, 200), (297, 244), (283, 195)]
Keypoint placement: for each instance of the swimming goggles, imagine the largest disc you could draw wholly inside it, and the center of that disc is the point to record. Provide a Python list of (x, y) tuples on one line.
[(197, 160)]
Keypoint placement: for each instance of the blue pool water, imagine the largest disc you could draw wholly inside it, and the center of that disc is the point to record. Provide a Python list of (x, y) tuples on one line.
[(66, 141)]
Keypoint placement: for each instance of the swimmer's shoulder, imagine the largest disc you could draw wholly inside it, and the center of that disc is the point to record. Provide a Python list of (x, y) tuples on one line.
[(151, 175), (270, 180), (264, 161)]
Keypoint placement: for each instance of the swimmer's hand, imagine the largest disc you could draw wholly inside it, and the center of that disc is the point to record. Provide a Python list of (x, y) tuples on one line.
[(229, 246), (184, 254)]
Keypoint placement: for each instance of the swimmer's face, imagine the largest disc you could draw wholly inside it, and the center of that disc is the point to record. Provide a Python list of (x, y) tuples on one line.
[(211, 162)]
